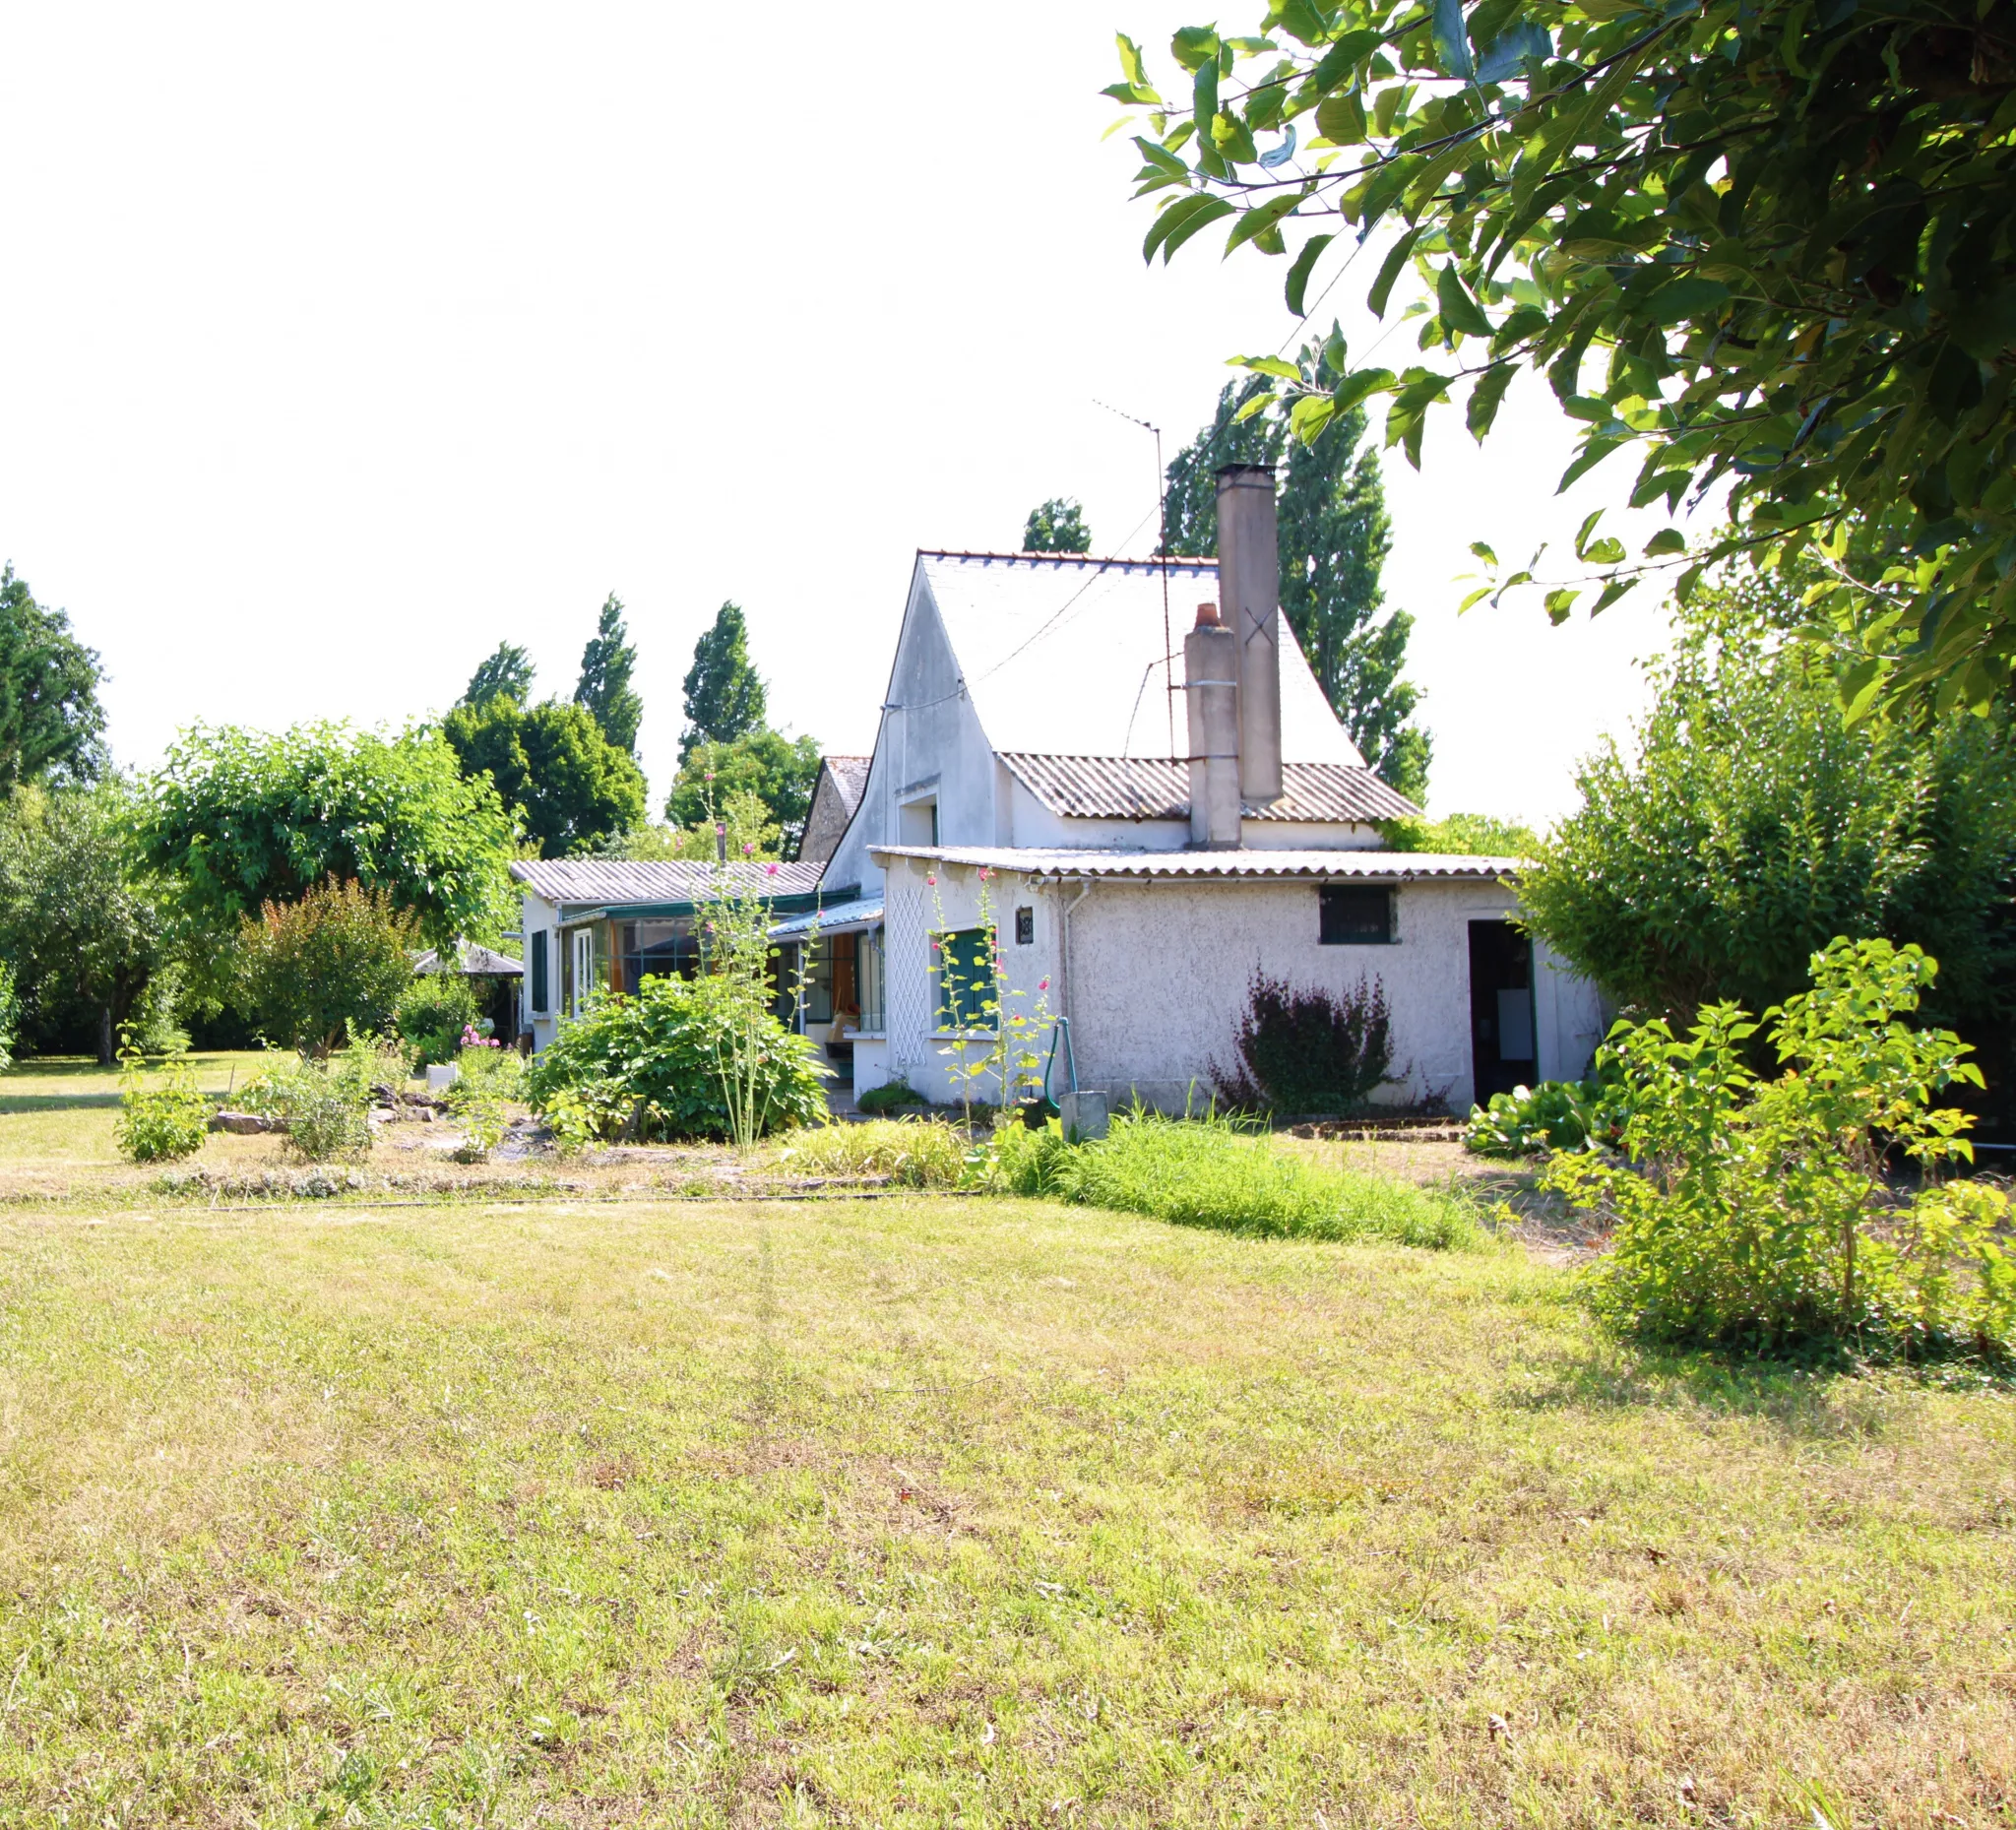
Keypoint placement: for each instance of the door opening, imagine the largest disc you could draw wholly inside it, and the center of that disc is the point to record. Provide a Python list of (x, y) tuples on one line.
[(1503, 1049)]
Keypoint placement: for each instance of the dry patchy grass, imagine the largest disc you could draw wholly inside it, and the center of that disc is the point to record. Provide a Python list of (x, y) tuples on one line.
[(930, 1512)]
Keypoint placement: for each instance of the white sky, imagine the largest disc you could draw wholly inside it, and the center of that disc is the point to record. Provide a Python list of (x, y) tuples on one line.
[(341, 343)]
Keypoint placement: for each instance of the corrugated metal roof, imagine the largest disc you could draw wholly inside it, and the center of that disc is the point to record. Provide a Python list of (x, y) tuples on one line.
[(1040, 862), (1154, 787), (475, 962), (1068, 656), (601, 882), (862, 911)]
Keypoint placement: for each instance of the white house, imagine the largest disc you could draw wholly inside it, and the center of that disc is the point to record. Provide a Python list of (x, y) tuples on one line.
[(1128, 772)]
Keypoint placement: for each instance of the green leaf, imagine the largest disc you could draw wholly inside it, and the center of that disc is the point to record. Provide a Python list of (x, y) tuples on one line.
[(1182, 219), (1267, 365), (1594, 451), (1484, 553), (1131, 66), (1300, 18), (1389, 271), (1485, 396), (1342, 119), (1583, 533), (1560, 601), (1353, 389), (1460, 310), (1197, 46), (1452, 43), (1690, 296), (1268, 215), (1204, 101), (1307, 417), (1666, 541), (1476, 596), (1614, 588), (1298, 273), (1342, 58)]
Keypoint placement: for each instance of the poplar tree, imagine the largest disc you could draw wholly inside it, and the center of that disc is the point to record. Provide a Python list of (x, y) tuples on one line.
[(724, 694), (606, 664), (507, 674)]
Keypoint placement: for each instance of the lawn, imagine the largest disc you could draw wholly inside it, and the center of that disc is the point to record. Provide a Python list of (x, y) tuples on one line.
[(60, 1111), (936, 1511)]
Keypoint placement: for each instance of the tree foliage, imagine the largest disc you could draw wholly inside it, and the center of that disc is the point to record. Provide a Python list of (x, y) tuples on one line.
[(1787, 233), (1334, 535), (726, 697), (1056, 527), (333, 963), (89, 928), (507, 673), (51, 724), (606, 664), (777, 774), (239, 818), (567, 784), (1463, 834), (1755, 824)]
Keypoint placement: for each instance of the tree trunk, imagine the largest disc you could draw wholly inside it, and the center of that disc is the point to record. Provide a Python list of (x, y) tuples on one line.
[(104, 1035)]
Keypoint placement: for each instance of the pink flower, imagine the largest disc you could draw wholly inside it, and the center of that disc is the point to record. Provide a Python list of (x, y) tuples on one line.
[(931, 877), (770, 870), (748, 850), (985, 874), (710, 775), (1043, 984)]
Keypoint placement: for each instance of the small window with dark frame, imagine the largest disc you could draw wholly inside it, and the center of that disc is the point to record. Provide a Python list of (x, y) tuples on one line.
[(1025, 926), (1354, 914)]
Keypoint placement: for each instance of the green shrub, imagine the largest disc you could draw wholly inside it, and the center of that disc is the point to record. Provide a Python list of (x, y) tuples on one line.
[(1309, 1051), (1215, 1172), (891, 1097), (481, 1112), (1529, 1121), (432, 1015), (658, 1066), (164, 1121), (1757, 1213), (918, 1152), (498, 1070), (325, 1106), (331, 965)]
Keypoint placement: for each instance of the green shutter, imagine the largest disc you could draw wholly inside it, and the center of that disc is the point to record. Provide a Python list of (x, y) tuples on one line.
[(966, 980)]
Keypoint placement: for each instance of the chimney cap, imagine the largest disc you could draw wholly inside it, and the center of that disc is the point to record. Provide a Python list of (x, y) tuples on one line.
[(1234, 476), (1207, 616)]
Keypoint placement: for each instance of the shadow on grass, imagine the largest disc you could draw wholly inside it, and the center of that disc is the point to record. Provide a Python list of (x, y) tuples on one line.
[(58, 1101), (1817, 1394)]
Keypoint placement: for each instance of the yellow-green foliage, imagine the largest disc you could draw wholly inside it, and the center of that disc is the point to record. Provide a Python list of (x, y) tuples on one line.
[(918, 1152), (165, 1120), (1214, 1173), (913, 1512)]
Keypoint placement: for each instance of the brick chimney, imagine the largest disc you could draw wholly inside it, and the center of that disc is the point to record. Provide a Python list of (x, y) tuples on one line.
[(1249, 593)]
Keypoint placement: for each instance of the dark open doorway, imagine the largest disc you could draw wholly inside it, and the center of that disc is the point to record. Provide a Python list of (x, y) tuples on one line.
[(1503, 1050)]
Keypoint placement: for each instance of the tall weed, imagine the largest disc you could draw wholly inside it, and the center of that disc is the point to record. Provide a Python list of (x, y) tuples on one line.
[(1214, 1172), (916, 1152)]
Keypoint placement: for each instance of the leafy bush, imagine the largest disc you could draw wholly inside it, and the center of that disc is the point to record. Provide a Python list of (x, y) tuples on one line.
[(1215, 1172), (498, 1070), (164, 1121), (331, 965), (1530, 1120), (326, 1104), (659, 1065), (918, 1152), (10, 1014), (1757, 1213), (891, 1097), (480, 1111), (1309, 1051), (432, 1013)]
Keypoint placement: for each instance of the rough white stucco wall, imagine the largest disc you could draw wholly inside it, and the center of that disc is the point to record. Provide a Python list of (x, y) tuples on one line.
[(534, 914), (1158, 978)]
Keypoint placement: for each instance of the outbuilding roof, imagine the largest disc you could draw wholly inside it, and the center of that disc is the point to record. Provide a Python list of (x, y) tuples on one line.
[(834, 919), (1176, 867), (1158, 787), (1064, 655), (607, 882)]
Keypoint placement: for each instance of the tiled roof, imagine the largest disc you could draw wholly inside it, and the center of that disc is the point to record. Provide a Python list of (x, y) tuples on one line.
[(1155, 788), (601, 882), (1066, 655), (1043, 861)]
